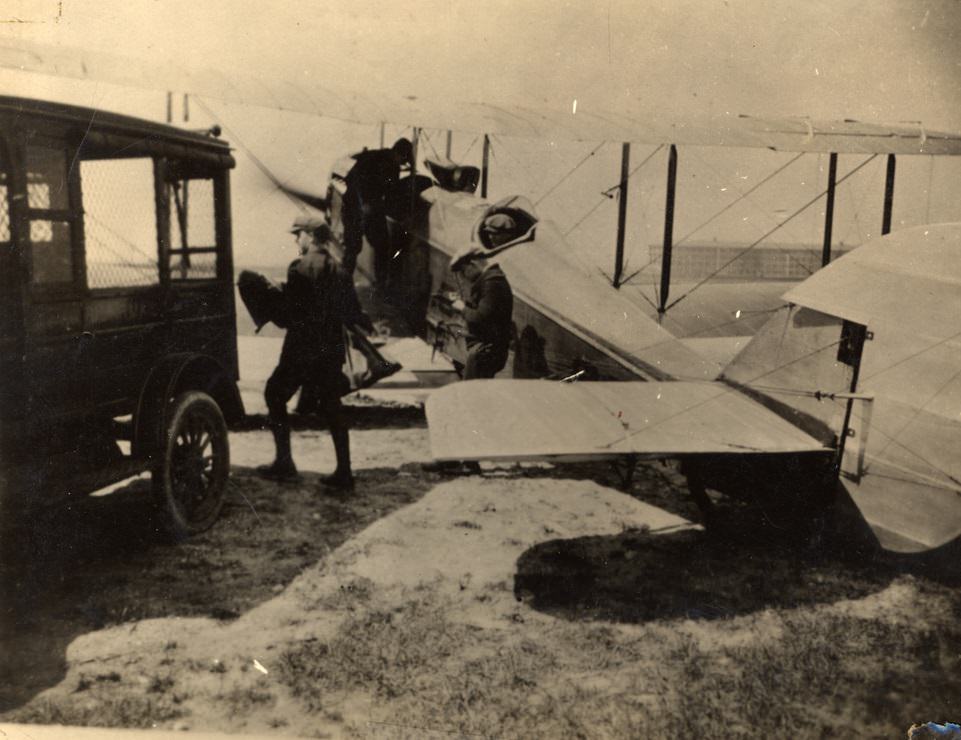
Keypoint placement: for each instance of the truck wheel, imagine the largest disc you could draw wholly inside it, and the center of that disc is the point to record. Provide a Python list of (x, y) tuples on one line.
[(191, 475)]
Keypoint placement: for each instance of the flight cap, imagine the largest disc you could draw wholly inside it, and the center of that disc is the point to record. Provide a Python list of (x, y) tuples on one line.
[(500, 228), (309, 224)]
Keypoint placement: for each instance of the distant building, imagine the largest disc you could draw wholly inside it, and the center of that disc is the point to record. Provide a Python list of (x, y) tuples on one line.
[(692, 262)]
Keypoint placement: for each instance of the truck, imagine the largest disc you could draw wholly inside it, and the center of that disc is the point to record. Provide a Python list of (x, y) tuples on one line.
[(118, 343)]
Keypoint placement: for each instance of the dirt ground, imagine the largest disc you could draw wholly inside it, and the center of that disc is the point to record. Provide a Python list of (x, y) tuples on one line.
[(524, 602), (528, 601)]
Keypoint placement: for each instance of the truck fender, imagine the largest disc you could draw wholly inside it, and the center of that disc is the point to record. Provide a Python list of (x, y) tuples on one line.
[(174, 375)]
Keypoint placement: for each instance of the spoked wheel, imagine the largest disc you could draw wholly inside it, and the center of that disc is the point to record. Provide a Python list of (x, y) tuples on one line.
[(191, 476)]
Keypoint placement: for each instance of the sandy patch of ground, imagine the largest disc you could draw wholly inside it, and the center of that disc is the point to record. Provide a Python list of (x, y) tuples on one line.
[(527, 602), (459, 543), (532, 601)]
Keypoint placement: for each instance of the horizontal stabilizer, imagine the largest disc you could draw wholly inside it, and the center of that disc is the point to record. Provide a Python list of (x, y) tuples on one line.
[(544, 420)]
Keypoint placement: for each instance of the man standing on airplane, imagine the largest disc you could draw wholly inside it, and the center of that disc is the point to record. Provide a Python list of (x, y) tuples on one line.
[(319, 299), (487, 313), (369, 182)]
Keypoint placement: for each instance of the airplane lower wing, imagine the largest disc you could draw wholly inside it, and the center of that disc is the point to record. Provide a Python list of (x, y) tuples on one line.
[(515, 420)]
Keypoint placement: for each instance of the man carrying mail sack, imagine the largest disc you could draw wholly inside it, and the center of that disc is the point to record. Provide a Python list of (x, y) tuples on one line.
[(319, 308), (488, 308)]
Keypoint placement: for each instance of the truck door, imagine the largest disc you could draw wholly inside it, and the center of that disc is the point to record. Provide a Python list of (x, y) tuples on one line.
[(56, 355)]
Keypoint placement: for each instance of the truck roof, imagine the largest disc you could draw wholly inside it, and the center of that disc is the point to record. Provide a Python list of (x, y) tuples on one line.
[(103, 123)]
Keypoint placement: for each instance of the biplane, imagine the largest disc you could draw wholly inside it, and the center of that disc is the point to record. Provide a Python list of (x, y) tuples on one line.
[(852, 381), (851, 387)]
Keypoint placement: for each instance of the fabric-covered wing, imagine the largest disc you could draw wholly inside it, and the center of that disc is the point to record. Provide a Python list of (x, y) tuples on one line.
[(309, 96), (910, 278), (902, 466), (541, 420)]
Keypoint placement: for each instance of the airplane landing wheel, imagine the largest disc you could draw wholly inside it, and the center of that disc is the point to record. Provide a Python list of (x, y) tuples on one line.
[(190, 479)]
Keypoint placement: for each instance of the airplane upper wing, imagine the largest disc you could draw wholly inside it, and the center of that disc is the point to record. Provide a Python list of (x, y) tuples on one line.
[(543, 420), (309, 96)]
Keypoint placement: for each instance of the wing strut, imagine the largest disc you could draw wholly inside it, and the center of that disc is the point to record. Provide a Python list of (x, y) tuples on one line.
[(888, 196), (485, 165), (668, 230), (415, 142), (829, 209), (622, 213)]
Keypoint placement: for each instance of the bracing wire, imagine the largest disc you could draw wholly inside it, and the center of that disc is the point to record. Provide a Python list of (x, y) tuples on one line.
[(718, 214), (570, 172), (723, 390), (793, 259), (526, 168), (587, 215), (429, 142), (919, 409), (743, 196), (605, 197), (469, 147), (264, 170), (856, 210), (764, 236)]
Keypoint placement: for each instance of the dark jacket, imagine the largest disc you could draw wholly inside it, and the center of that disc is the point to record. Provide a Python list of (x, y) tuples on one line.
[(320, 299), (372, 177), (488, 310)]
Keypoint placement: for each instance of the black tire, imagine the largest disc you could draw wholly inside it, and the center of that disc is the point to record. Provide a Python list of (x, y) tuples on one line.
[(190, 478)]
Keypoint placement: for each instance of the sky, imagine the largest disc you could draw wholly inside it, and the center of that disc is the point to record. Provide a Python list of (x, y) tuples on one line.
[(873, 60), (880, 59)]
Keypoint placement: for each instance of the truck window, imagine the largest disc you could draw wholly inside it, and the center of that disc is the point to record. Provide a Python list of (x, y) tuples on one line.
[(4, 206), (8, 273), (51, 232), (120, 222), (193, 236)]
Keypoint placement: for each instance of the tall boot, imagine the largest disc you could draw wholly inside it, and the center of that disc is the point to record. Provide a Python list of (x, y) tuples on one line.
[(282, 468), (342, 477)]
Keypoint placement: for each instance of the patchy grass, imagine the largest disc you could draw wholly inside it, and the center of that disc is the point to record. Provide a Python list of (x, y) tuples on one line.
[(103, 562), (124, 710), (826, 675), (816, 673), (635, 634), (247, 699)]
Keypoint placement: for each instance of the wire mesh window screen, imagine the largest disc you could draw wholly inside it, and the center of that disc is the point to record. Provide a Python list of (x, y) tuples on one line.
[(192, 227), (50, 251), (201, 266), (120, 224), (4, 209), (47, 178)]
